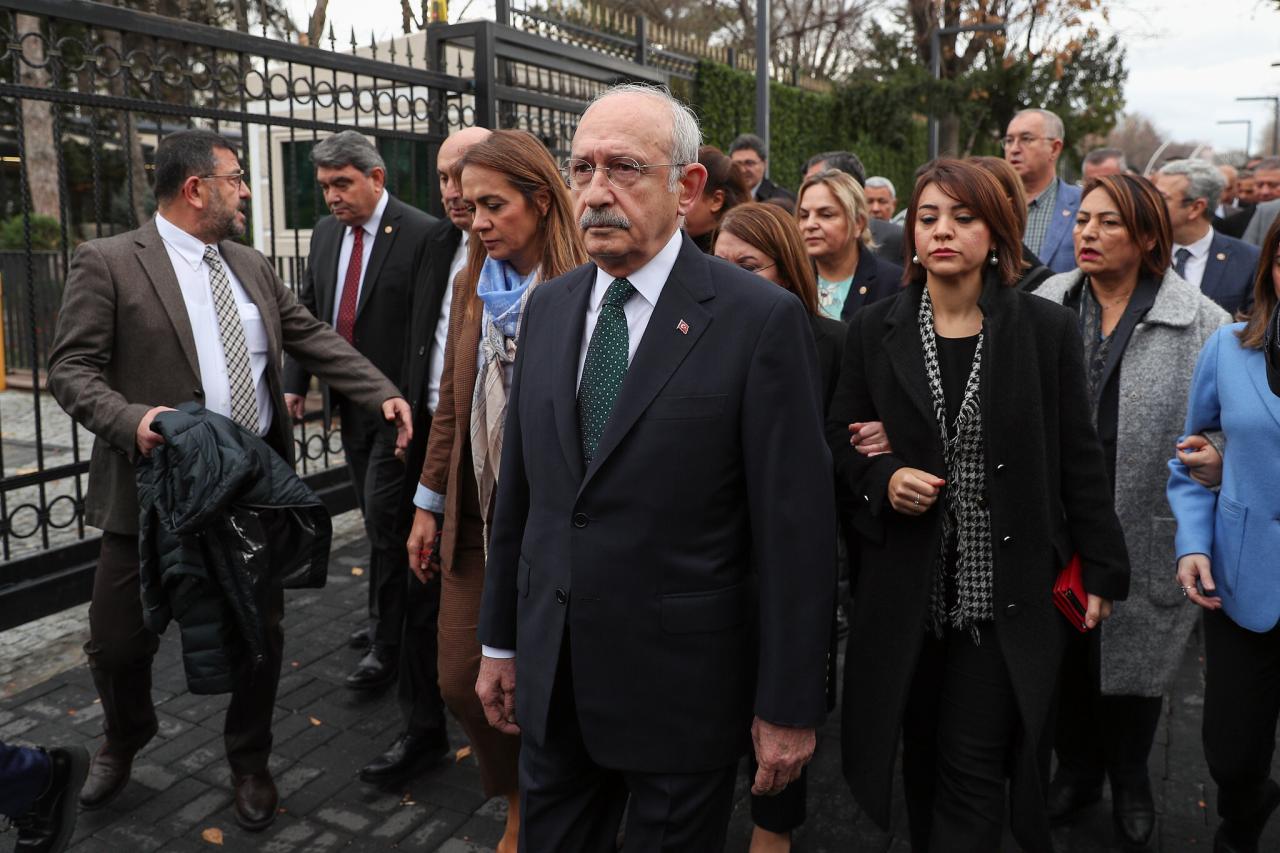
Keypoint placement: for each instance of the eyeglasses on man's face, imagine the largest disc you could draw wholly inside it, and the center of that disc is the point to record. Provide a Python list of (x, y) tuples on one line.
[(236, 178), (622, 172), (1021, 141)]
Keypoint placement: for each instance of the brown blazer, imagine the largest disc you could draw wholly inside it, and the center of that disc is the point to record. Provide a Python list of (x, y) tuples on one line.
[(123, 345), (445, 462)]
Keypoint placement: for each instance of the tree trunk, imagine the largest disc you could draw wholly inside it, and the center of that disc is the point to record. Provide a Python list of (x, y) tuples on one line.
[(949, 135), (315, 27), (40, 147)]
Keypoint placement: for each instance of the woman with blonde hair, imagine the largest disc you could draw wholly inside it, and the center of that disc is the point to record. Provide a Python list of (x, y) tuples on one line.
[(523, 233), (832, 213)]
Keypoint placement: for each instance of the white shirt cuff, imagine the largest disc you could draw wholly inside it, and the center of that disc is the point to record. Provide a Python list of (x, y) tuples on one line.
[(499, 654), (428, 499)]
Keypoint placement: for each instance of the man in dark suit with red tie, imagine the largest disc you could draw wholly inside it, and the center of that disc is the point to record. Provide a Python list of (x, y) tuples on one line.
[(365, 272), (661, 571)]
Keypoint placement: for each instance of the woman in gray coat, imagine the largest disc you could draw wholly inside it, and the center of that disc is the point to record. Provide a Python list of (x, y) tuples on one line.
[(1143, 328)]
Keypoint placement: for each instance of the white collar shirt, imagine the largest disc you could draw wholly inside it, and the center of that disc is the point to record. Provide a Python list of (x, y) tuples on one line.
[(186, 253), (648, 282), (370, 229), (1198, 260), (436, 365)]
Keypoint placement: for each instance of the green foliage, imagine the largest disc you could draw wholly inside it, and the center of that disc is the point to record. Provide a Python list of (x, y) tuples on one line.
[(45, 233)]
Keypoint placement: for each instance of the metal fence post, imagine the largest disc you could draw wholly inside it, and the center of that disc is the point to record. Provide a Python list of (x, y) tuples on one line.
[(642, 40)]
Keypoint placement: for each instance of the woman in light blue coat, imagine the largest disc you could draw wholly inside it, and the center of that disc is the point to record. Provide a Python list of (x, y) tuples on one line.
[(1228, 546)]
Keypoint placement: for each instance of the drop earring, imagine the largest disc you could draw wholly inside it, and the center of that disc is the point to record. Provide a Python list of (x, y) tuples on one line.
[(915, 259), (995, 259)]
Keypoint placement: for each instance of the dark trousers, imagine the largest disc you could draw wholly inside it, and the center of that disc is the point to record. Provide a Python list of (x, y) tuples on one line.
[(24, 776), (959, 732), (570, 804), (1098, 735), (1241, 705), (378, 478), (418, 688), (120, 650)]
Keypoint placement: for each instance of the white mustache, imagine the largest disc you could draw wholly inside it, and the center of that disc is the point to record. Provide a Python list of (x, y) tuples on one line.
[(595, 217)]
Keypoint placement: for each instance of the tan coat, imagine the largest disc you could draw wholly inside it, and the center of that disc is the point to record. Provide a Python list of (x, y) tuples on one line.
[(124, 345), (451, 423)]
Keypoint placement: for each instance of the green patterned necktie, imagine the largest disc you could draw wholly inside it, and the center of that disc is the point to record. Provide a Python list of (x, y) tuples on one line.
[(605, 367)]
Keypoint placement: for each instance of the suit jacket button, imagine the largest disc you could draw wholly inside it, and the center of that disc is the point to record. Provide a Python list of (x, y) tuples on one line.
[(580, 519), (197, 393), (562, 597), (1000, 468), (1011, 610), (1006, 540), (422, 350)]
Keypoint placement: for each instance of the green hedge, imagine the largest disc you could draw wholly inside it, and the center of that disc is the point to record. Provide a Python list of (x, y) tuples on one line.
[(858, 116)]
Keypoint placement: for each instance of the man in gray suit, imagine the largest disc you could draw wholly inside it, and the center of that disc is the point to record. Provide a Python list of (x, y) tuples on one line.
[(174, 311)]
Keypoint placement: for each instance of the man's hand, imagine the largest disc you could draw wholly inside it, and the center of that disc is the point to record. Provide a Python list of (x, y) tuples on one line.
[(146, 439), (496, 688), (781, 752), (1203, 461), (1196, 567), (295, 405), (422, 538), (869, 438), (1097, 611), (397, 410), (912, 491)]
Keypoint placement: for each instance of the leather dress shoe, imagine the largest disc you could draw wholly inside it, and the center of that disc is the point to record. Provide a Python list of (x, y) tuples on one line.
[(1134, 813), (409, 756), (48, 825), (256, 800), (361, 637), (108, 774), (376, 669), (1241, 835), (1068, 796)]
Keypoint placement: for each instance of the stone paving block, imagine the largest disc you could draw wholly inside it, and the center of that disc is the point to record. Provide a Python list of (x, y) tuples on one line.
[(344, 820), (289, 836), (401, 821), (13, 729), (481, 830), (160, 805), (308, 695), (322, 791), (292, 780), (165, 750), (152, 775), (438, 829), (458, 845), (200, 808)]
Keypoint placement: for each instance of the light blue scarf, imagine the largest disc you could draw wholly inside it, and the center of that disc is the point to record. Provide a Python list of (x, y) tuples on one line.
[(504, 292)]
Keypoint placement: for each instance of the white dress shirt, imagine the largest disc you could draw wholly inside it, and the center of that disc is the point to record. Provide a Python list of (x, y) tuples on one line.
[(442, 325), (1194, 272), (648, 282), (186, 253), (370, 229)]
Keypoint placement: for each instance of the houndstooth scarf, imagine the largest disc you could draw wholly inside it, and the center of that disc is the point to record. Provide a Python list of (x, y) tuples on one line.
[(966, 524)]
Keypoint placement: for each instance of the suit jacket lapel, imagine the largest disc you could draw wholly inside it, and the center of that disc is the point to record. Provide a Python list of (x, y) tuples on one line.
[(864, 276), (661, 349), (902, 342), (1060, 225), (388, 230), (576, 297), (326, 273), (1214, 268), (155, 262)]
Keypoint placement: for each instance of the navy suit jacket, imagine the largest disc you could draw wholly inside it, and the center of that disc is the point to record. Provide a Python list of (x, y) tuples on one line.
[(1229, 271), (1058, 251), (689, 570), (873, 279)]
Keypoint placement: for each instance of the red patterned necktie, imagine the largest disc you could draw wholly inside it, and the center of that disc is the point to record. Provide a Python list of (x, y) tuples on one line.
[(351, 289)]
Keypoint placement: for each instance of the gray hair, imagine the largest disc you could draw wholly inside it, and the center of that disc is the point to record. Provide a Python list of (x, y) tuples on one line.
[(1098, 156), (1053, 127), (883, 183), (347, 148), (686, 136), (1204, 181)]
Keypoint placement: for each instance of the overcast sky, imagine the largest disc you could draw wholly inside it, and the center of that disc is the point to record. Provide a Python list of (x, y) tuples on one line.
[(1188, 59)]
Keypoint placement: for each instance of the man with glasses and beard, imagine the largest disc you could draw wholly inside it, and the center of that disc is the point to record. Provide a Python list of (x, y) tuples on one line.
[(176, 311)]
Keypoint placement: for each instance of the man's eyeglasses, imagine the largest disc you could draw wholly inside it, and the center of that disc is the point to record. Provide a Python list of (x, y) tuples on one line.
[(236, 178), (1024, 140), (622, 172)]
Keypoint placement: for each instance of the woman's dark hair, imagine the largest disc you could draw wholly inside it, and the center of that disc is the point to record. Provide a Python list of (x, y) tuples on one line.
[(1264, 292), (725, 175), (771, 230), (1145, 216), (1012, 183), (977, 189), (182, 154)]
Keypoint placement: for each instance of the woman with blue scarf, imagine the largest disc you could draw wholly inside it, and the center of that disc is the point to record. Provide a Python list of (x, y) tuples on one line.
[(523, 234)]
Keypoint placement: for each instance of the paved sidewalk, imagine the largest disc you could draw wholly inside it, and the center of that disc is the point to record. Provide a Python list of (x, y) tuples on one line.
[(180, 797)]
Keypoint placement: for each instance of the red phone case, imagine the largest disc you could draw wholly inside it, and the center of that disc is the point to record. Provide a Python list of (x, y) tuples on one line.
[(1069, 595)]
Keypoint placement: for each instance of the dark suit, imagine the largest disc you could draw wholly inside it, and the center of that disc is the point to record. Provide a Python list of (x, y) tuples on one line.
[(1035, 273), (1228, 272), (388, 301), (768, 189), (1047, 488), (1235, 222), (888, 237), (682, 581), (123, 345), (873, 279)]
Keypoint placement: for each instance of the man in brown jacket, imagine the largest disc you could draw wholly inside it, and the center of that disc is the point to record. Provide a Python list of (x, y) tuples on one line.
[(176, 311)]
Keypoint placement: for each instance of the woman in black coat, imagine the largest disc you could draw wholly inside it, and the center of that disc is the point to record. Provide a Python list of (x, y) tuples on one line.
[(955, 642)]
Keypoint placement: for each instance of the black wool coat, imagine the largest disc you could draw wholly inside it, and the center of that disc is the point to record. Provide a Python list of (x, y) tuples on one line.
[(1047, 490)]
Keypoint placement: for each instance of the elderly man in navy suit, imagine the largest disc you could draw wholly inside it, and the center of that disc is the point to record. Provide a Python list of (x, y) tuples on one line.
[(1221, 266), (1032, 145), (659, 589)]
